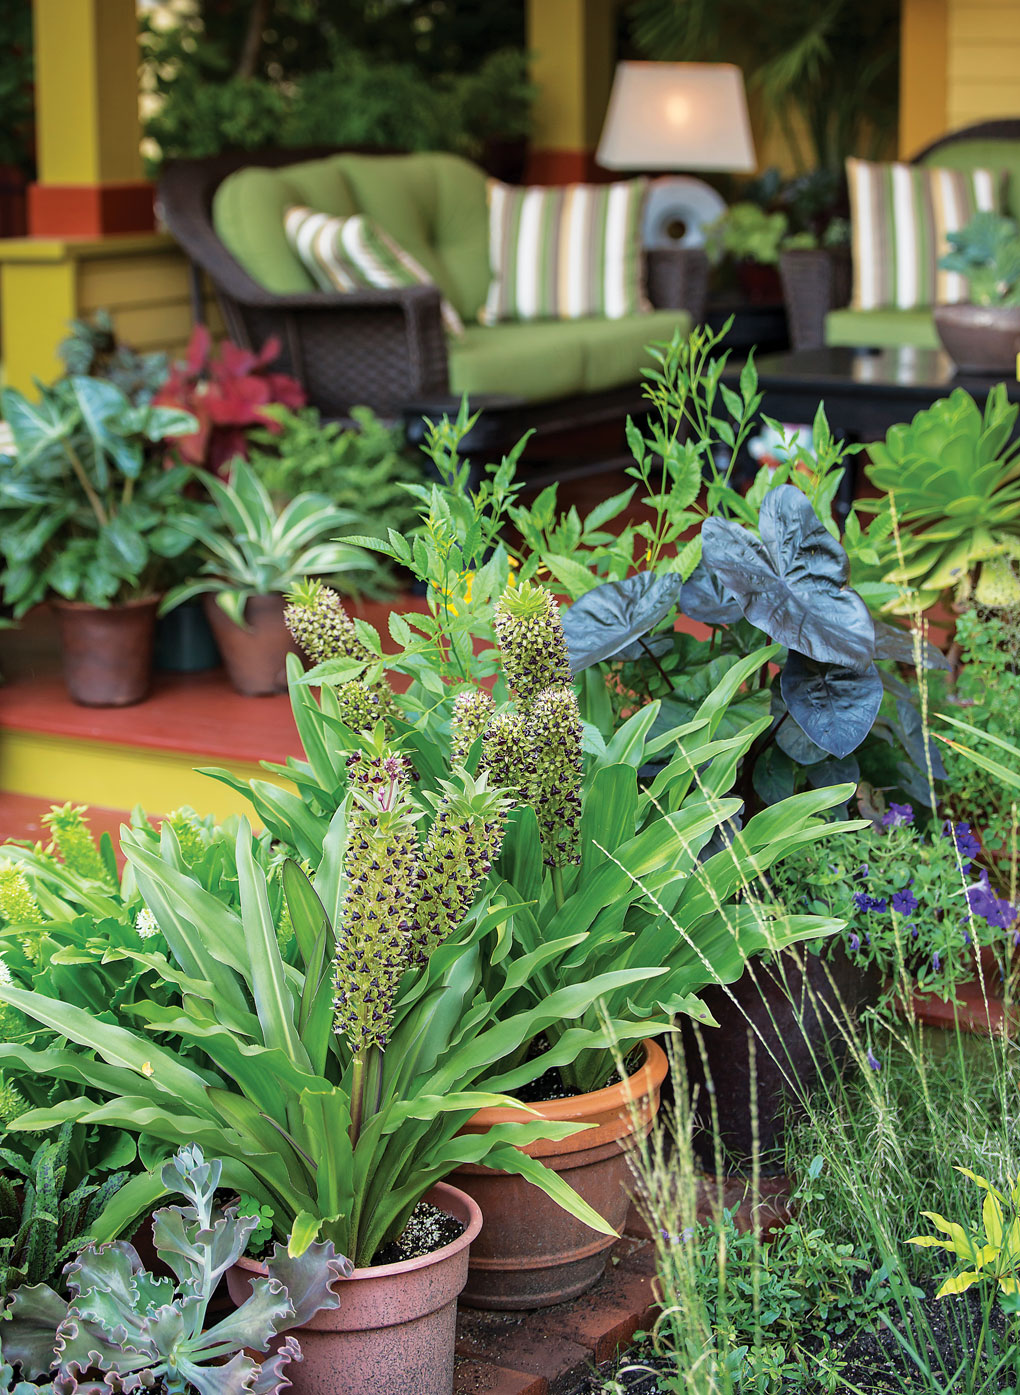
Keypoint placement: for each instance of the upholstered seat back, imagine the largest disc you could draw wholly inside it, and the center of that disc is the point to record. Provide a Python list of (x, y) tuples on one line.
[(434, 205)]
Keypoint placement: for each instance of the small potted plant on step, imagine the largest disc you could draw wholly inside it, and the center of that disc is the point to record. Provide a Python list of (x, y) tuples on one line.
[(89, 519), (254, 553)]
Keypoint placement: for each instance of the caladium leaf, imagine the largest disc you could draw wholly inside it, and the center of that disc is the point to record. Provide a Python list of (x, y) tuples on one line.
[(791, 738), (909, 728), (835, 705), (894, 642), (703, 597), (608, 620), (791, 580)]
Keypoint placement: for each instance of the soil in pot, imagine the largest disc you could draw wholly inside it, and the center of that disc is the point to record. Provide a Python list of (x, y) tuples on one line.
[(107, 653), (788, 1011), (531, 1253), (255, 656), (394, 1331)]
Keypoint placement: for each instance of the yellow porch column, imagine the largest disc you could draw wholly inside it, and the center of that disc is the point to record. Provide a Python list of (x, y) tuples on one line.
[(574, 48), (86, 84), (924, 72)]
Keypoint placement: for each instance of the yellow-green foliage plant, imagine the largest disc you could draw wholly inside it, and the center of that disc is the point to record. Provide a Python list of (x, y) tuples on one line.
[(992, 1253)]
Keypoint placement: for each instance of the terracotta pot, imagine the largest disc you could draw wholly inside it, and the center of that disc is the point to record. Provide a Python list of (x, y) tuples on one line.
[(531, 1253), (107, 653), (255, 656), (980, 338), (793, 1010), (394, 1331)]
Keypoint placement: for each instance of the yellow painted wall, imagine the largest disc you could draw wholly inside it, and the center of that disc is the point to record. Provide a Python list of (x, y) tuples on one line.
[(44, 282), (983, 70), (960, 64)]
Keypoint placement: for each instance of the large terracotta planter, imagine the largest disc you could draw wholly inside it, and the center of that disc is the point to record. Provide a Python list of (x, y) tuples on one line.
[(394, 1331), (107, 653), (255, 656), (980, 338), (531, 1253)]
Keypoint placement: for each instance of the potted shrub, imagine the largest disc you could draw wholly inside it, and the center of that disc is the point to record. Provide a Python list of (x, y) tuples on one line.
[(983, 335), (90, 522), (254, 553), (751, 238), (170, 1347)]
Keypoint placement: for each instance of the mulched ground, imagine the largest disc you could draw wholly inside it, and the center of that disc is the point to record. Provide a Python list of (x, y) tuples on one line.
[(875, 1363)]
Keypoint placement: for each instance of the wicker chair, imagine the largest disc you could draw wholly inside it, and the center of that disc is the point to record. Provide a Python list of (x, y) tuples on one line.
[(819, 280), (382, 348)]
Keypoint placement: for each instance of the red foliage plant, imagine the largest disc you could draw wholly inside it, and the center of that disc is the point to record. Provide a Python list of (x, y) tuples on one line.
[(226, 389)]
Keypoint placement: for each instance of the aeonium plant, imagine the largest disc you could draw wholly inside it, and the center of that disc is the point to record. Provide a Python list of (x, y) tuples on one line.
[(87, 511)]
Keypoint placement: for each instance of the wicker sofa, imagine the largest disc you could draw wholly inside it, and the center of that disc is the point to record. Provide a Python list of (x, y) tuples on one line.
[(817, 284), (387, 349)]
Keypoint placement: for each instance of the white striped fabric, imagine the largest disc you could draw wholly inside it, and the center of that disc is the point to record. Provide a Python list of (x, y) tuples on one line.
[(350, 254), (900, 216), (564, 253)]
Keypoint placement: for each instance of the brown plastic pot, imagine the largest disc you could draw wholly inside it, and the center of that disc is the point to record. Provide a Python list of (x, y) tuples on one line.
[(531, 1253), (107, 653), (980, 338), (255, 655), (394, 1331)]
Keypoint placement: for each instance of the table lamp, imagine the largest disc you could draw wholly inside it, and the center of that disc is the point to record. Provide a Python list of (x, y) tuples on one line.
[(678, 116)]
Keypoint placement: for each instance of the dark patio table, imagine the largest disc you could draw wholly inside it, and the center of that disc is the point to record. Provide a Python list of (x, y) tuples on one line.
[(865, 391)]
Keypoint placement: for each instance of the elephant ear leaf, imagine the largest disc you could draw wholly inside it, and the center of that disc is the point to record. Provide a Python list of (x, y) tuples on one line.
[(791, 580), (703, 597), (608, 622), (894, 642), (833, 704)]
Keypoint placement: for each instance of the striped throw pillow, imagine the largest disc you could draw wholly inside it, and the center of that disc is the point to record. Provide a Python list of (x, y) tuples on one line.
[(354, 254), (565, 253), (900, 215)]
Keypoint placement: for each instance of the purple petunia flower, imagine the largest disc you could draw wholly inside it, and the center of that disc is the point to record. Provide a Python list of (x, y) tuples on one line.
[(967, 845), (855, 943), (904, 902), (936, 962), (861, 875), (994, 910), (897, 816), (873, 1060), (862, 900), (914, 932)]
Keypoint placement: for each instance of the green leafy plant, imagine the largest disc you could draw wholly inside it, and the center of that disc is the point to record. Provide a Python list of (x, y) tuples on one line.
[(43, 1220), (986, 251), (993, 1253), (951, 481), (258, 549), (87, 511), (93, 349), (746, 232), (135, 1327), (363, 470)]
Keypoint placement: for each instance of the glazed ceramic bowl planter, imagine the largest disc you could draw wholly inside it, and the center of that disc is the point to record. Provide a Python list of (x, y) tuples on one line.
[(394, 1331), (255, 655), (107, 651), (531, 1253), (980, 338)]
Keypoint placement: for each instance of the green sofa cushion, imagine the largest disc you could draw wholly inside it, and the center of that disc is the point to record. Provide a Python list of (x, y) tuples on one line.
[(546, 359), (985, 154), (881, 329), (434, 205)]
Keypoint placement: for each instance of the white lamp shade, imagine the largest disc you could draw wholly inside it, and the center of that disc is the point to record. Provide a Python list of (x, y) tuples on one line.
[(677, 116)]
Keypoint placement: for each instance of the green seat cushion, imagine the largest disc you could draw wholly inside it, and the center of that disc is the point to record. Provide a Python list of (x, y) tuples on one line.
[(248, 212), (616, 350), (433, 205), (881, 329), (538, 362), (989, 155), (542, 360)]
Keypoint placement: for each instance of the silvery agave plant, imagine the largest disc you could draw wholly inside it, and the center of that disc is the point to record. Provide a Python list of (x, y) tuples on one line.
[(125, 1330)]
